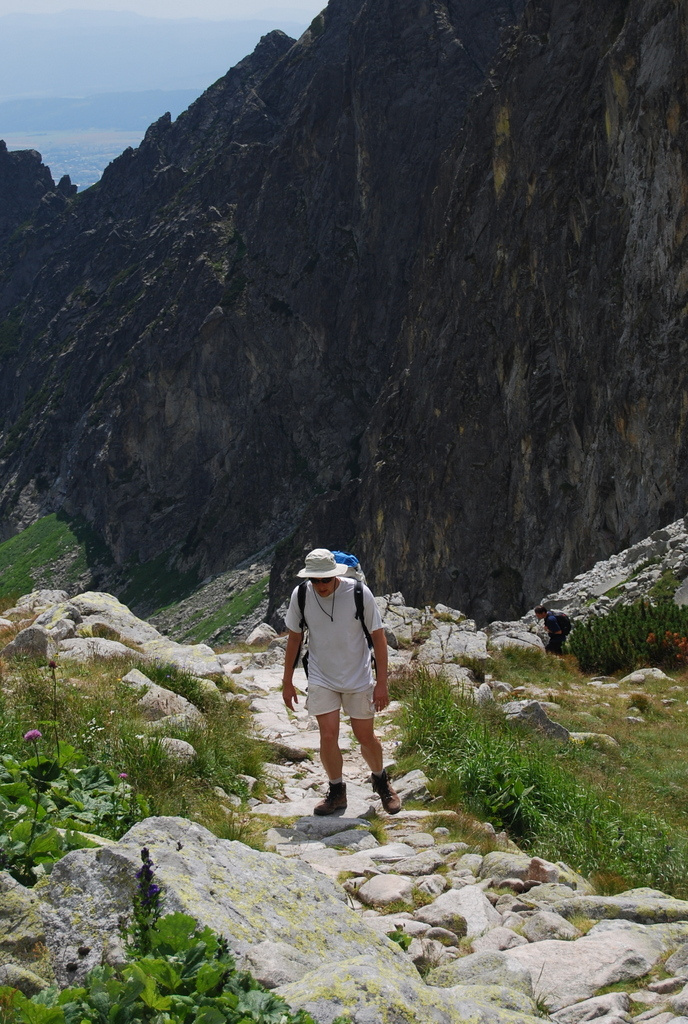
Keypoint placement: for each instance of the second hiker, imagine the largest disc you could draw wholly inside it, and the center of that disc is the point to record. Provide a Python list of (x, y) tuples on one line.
[(339, 669)]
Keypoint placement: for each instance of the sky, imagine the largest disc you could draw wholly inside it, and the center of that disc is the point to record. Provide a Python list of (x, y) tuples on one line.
[(296, 10)]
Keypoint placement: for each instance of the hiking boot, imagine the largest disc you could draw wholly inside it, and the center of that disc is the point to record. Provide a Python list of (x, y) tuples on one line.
[(334, 801), (390, 800)]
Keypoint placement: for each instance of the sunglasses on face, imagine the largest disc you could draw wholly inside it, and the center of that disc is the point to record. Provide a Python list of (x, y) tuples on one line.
[(328, 579)]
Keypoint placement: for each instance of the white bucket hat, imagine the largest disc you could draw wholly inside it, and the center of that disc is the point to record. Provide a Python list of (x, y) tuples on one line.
[(320, 565)]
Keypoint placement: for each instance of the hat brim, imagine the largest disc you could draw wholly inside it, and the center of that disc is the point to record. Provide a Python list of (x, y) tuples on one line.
[(339, 570)]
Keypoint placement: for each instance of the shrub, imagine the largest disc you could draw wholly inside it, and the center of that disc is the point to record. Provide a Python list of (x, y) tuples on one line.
[(188, 976), (631, 636)]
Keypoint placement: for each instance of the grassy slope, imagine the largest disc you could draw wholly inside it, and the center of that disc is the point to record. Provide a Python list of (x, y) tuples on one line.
[(27, 558), (618, 814)]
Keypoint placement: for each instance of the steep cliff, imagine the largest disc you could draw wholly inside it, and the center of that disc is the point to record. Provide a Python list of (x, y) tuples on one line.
[(540, 378), (199, 339)]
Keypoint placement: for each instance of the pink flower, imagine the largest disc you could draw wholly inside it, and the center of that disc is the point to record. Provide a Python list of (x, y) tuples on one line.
[(32, 735), (123, 775)]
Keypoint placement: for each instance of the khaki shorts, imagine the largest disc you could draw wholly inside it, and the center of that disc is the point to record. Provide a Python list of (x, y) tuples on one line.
[(359, 704)]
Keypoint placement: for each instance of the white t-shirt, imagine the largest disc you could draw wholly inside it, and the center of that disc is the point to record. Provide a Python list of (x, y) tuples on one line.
[(338, 653)]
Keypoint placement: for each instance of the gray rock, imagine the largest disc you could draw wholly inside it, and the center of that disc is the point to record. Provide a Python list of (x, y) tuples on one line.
[(87, 648), (548, 925), (472, 861), (616, 1003), (426, 952), (413, 786), (498, 866), (248, 897), (158, 702), (22, 978), (424, 863), (531, 713), (32, 642), (644, 906), (641, 676), (275, 963), (567, 972), (483, 969), (679, 1002), (678, 962), (382, 890), (484, 695), (433, 885), (64, 629), (497, 939), (21, 924), (502, 997), (352, 839), (180, 750), (314, 827), (263, 633), (37, 601), (368, 992)]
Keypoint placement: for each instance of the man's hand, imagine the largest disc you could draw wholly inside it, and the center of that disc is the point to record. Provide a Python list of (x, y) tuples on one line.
[(289, 695), (380, 696)]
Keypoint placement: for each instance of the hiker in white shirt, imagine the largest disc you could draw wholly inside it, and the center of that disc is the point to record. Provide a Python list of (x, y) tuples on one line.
[(340, 672)]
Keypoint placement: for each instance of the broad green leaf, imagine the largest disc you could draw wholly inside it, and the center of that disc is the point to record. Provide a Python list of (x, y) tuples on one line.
[(209, 975)]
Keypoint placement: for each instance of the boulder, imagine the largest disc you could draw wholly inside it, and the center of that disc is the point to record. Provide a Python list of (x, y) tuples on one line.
[(63, 629), (275, 963), (567, 972), (180, 750), (63, 610), (102, 609), (547, 925), (413, 786), (382, 890), (22, 978), (483, 969), (263, 633), (616, 1003), (36, 602), (158, 702), (641, 676), (32, 642), (500, 995), (499, 866), (450, 641), (21, 924), (366, 990), (248, 897), (424, 863), (677, 963), (497, 939), (643, 906), (532, 714), (87, 648)]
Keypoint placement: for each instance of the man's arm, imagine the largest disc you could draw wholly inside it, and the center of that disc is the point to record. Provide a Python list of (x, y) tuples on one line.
[(289, 694), (380, 691)]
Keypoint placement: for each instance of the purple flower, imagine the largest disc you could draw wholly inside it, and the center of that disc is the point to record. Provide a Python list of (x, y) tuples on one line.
[(33, 735), (123, 775), (52, 664)]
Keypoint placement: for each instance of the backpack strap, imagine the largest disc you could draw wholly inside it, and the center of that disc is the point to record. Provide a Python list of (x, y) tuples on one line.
[(303, 625), (358, 601)]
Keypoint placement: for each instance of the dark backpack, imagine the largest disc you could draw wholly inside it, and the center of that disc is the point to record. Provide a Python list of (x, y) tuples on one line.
[(303, 625), (564, 622)]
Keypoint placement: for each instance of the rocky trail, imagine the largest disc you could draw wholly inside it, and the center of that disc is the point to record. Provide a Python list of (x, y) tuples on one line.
[(361, 914)]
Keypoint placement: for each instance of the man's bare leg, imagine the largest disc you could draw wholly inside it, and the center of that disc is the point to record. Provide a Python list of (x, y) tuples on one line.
[(330, 754), (371, 748)]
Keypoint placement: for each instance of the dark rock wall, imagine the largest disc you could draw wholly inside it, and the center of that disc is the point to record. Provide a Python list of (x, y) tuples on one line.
[(205, 332), (535, 417)]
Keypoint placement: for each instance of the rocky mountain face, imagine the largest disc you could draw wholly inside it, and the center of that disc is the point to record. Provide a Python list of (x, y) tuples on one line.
[(539, 378), (199, 339), (434, 286)]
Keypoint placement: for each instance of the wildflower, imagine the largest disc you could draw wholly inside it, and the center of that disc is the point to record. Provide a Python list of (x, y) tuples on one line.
[(33, 735), (52, 665), (123, 775)]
